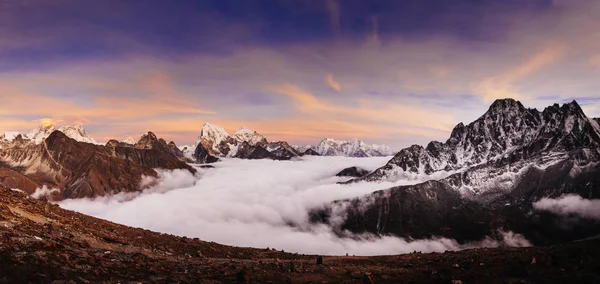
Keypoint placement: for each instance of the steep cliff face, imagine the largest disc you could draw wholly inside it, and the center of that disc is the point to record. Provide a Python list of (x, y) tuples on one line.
[(80, 169), (245, 143), (150, 141), (282, 150), (505, 134), (202, 155), (494, 167), (421, 211)]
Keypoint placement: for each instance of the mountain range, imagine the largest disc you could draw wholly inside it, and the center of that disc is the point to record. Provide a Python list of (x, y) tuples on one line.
[(68, 163), (482, 179), (246, 143), (352, 148), (485, 177), (37, 135)]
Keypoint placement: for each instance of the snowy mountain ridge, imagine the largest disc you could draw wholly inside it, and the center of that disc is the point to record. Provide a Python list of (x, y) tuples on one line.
[(42, 132), (219, 143), (352, 148), (494, 151)]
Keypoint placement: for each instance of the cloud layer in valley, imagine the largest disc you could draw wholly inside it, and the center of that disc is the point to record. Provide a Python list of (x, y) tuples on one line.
[(255, 202), (570, 204)]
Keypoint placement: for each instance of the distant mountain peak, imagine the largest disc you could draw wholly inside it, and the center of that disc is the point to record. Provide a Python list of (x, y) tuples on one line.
[(248, 135), (350, 148), (129, 140), (507, 129), (78, 133)]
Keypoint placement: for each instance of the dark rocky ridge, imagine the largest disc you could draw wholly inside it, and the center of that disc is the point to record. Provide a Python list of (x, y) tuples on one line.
[(202, 156), (507, 128), (310, 152), (282, 150), (516, 156), (352, 172), (150, 141), (86, 170)]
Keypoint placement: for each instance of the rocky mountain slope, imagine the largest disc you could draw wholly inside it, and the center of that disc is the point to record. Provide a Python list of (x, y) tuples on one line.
[(493, 168), (214, 142), (77, 169), (248, 144), (351, 148), (42, 243)]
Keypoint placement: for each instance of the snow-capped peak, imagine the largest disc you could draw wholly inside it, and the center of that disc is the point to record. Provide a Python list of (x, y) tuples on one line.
[(211, 131), (41, 133), (248, 135), (129, 140), (352, 148), (9, 136), (211, 136), (78, 133)]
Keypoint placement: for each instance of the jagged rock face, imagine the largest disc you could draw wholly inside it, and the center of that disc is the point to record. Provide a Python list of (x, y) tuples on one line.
[(244, 144), (211, 137), (203, 156), (502, 162), (421, 211), (507, 129), (247, 151), (353, 172), (86, 170), (310, 152), (252, 137), (352, 148), (78, 133), (114, 143), (150, 141), (274, 151), (282, 150), (436, 208)]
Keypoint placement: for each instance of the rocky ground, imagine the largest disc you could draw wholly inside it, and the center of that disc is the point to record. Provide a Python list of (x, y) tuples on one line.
[(41, 243)]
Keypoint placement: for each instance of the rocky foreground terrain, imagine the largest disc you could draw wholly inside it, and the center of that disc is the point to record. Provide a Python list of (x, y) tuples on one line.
[(42, 243)]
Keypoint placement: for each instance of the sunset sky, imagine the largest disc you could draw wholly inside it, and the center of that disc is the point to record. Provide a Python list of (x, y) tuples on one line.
[(394, 72)]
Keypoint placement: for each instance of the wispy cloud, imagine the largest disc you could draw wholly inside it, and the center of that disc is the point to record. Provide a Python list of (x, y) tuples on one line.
[(570, 205), (503, 85), (333, 83)]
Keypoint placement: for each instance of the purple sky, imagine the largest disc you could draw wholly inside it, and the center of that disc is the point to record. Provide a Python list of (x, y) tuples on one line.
[(394, 72)]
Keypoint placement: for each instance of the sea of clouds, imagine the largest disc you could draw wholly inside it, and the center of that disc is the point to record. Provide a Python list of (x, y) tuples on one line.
[(261, 203)]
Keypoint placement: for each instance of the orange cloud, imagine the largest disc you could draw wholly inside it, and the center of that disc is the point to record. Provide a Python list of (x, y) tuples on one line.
[(112, 101), (371, 111), (333, 83), (504, 85)]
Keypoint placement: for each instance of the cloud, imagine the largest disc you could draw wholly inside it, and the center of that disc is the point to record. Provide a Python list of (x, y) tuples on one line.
[(333, 83), (260, 203), (396, 88), (44, 191), (503, 86), (570, 204), (366, 112)]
